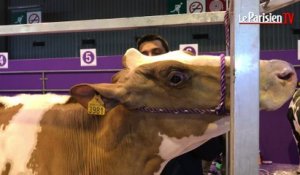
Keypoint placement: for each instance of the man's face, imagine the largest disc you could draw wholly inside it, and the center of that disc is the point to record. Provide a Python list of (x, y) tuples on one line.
[(152, 48)]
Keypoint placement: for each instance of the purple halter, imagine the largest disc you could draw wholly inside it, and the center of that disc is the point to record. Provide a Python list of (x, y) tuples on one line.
[(219, 110)]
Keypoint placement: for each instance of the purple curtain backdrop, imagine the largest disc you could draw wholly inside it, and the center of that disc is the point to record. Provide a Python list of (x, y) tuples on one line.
[(276, 141)]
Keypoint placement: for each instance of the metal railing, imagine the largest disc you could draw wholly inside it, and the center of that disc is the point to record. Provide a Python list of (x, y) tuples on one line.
[(43, 79)]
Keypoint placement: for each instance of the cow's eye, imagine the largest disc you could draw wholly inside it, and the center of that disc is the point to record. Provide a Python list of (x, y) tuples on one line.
[(176, 78)]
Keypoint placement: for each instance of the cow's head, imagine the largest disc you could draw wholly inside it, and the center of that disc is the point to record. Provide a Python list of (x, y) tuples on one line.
[(179, 80)]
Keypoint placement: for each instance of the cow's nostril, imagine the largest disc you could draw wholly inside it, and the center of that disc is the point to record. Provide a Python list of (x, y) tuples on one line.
[(285, 75)]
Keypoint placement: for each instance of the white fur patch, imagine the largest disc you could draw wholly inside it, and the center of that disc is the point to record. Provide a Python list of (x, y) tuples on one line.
[(19, 138), (172, 147)]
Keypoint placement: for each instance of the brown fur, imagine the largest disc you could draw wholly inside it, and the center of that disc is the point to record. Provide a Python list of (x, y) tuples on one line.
[(7, 169), (1, 105), (122, 142), (7, 114)]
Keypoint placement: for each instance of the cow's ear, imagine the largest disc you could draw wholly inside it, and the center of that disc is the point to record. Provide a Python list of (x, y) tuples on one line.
[(132, 58), (84, 93)]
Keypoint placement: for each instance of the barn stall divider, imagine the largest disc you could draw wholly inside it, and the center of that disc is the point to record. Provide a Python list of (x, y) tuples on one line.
[(242, 153)]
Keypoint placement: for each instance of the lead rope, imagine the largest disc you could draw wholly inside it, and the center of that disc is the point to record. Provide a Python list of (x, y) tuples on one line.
[(220, 109), (227, 32)]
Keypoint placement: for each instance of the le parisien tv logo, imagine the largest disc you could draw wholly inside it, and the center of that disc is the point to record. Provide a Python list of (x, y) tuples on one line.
[(286, 18)]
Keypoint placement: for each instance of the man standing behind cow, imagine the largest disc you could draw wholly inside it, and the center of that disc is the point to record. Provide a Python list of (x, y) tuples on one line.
[(189, 163)]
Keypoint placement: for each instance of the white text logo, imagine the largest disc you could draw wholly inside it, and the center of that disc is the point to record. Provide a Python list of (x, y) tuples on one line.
[(267, 18)]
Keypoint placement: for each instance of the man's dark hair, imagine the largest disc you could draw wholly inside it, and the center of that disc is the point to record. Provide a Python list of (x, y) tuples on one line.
[(152, 37)]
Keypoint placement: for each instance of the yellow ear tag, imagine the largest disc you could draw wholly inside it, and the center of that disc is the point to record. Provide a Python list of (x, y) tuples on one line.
[(96, 106)]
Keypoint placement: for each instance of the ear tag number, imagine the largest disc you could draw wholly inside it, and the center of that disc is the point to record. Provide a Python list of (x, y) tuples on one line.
[(96, 106)]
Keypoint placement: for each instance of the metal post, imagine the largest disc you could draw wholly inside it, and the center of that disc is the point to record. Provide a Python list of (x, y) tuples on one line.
[(43, 79), (244, 135)]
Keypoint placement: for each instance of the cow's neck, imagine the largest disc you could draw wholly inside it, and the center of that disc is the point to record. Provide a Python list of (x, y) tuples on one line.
[(157, 137), (123, 140)]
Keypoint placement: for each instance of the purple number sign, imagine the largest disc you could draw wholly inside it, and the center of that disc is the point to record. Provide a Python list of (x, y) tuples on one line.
[(88, 57), (3, 60), (190, 49)]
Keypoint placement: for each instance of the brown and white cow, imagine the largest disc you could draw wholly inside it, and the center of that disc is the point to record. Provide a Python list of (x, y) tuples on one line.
[(50, 134)]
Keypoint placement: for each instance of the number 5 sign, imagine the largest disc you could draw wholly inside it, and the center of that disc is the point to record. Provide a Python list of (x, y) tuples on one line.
[(3, 60), (88, 57)]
